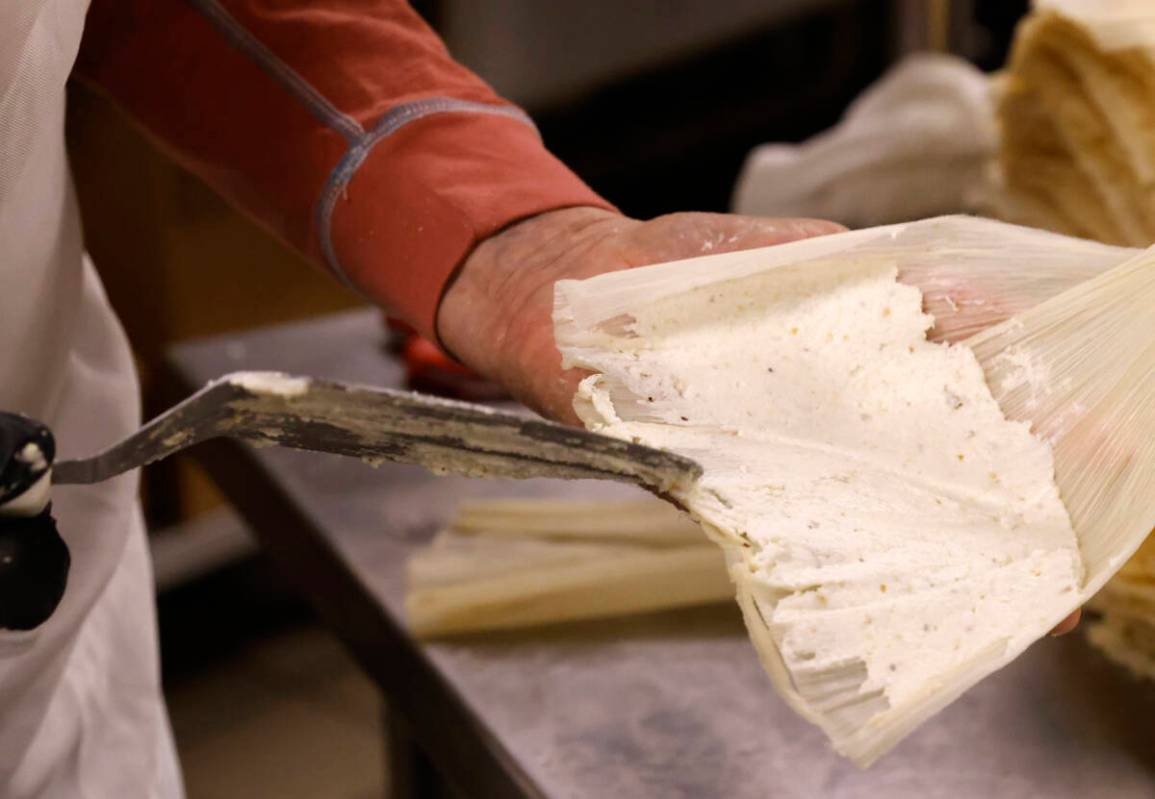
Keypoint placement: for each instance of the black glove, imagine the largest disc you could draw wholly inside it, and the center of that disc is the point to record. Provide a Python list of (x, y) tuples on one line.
[(34, 559)]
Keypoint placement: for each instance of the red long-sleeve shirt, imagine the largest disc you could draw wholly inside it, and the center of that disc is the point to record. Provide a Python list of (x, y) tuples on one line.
[(344, 126)]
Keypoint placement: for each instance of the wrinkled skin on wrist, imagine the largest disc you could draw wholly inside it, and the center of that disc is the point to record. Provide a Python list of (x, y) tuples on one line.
[(496, 315)]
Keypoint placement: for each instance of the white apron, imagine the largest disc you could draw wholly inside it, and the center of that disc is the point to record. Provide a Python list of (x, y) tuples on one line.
[(81, 713)]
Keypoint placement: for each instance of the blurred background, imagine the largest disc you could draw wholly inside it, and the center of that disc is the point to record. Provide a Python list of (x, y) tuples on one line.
[(655, 103)]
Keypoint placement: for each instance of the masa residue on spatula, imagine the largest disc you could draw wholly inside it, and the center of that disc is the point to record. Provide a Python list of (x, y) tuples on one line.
[(893, 537)]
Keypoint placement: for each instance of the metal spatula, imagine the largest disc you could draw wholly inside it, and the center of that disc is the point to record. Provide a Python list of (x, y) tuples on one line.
[(267, 408), (381, 425)]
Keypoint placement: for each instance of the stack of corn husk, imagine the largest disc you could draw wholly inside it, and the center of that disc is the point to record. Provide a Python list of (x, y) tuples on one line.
[(1077, 118), (1077, 155), (504, 564)]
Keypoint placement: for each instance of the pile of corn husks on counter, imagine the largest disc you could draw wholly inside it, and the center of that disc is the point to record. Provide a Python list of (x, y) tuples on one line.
[(1076, 106), (505, 563)]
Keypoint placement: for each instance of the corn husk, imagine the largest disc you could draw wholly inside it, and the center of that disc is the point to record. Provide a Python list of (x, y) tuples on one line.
[(643, 522), (1077, 155), (1077, 120), (505, 564), (1087, 357), (973, 272), (1081, 368)]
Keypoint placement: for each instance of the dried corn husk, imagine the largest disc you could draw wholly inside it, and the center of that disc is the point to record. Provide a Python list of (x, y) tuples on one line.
[(1077, 154), (504, 564), (1094, 381), (639, 521), (1077, 151), (1081, 368)]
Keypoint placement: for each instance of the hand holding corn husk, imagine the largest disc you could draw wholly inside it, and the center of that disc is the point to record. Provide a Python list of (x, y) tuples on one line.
[(519, 563), (894, 532)]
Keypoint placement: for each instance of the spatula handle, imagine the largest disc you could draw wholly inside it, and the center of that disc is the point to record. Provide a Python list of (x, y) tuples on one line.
[(34, 560)]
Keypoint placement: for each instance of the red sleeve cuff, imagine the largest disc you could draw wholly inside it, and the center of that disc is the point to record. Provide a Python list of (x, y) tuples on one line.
[(427, 193)]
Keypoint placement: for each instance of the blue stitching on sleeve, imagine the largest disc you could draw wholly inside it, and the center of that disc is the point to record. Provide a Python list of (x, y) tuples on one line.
[(267, 60), (361, 142), (389, 124)]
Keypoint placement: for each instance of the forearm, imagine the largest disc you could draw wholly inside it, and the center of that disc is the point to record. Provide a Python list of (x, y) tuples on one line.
[(344, 127)]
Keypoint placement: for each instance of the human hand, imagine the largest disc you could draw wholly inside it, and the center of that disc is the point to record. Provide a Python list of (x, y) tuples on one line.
[(496, 316)]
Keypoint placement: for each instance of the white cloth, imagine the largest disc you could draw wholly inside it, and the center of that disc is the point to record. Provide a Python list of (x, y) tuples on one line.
[(81, 713), (916, 144)]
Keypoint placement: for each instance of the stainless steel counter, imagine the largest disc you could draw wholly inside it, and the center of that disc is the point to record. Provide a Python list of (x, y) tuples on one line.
[(666, 705)]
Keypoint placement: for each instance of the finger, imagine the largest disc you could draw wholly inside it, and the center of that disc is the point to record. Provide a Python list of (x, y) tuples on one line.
[(1068, 624)]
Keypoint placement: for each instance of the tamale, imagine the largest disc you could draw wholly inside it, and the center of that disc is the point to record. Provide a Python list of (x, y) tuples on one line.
[(893, 533)]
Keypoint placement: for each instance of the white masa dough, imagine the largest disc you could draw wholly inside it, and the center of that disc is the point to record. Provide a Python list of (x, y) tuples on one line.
[(275, 383), (892, 535)]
